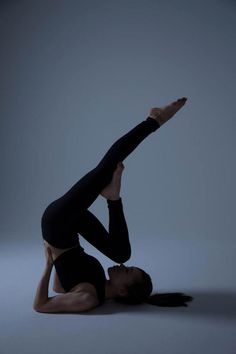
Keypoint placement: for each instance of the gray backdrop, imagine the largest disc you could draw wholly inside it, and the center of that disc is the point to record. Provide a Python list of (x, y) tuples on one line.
[(77, 75), (74, 77)]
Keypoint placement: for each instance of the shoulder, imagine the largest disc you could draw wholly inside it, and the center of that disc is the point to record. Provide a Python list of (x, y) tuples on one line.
[(91, 292), (87, 288)]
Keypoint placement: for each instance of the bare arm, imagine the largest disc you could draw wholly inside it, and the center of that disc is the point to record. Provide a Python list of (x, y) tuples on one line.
[(66, 303), (41, 296), (69, 303)]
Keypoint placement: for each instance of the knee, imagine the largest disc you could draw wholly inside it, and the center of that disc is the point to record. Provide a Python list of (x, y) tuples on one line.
[(122, 257)]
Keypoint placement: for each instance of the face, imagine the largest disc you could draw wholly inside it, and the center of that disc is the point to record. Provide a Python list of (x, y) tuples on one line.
[(121, 276)]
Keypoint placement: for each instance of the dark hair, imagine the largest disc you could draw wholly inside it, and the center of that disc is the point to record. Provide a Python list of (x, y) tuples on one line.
[(140, 292)]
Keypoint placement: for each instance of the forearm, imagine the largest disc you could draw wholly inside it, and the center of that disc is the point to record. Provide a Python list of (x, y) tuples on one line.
[(41, 296)]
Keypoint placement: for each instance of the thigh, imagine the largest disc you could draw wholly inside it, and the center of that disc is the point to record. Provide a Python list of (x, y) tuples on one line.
[(57, 229)]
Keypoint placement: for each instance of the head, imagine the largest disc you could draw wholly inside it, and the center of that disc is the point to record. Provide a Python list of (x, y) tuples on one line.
[(132, 285)]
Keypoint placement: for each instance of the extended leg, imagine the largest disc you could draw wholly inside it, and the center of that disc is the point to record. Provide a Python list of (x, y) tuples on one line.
[(60, 219), (88, 188), (63, 218)]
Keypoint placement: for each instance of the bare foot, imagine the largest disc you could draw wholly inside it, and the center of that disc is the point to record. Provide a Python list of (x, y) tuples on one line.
[(163, 114), (112, 190)]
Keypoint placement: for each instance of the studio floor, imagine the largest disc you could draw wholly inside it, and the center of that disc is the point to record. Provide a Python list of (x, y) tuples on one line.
[(207, 325)]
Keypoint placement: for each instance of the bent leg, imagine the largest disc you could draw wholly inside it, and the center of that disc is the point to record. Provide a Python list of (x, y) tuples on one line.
[(115, 245)]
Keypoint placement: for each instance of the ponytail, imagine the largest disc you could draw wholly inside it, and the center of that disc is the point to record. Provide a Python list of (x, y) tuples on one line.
[(169, 299)]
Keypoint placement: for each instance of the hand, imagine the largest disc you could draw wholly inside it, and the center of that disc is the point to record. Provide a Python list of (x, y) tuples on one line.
[(48, 254), (112, 190)]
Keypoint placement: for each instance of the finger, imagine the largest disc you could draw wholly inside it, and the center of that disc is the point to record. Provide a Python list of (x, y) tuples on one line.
[(49, 252), (120, 165), (118, 171)]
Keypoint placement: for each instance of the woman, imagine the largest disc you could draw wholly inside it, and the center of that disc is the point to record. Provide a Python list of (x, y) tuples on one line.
[(78, 275)]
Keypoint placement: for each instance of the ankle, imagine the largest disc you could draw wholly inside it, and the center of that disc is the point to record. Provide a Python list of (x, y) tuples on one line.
[(157, 119)]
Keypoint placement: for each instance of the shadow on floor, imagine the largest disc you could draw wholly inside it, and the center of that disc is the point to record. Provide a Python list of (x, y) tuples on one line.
[(205, 304)]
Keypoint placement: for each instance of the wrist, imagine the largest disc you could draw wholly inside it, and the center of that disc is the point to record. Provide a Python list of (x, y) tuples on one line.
[(48, 265)]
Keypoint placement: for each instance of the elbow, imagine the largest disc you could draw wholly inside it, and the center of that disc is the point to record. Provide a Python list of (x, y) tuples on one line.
[(36, 309)]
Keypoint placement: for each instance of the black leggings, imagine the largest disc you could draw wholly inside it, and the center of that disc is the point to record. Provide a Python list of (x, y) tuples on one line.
[(67, 216)]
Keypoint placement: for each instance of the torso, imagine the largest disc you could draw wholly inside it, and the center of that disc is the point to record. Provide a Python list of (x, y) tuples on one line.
[(56, 252)]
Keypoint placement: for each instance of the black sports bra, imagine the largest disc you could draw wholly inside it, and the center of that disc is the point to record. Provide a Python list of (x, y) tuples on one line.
[(76, 266)]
